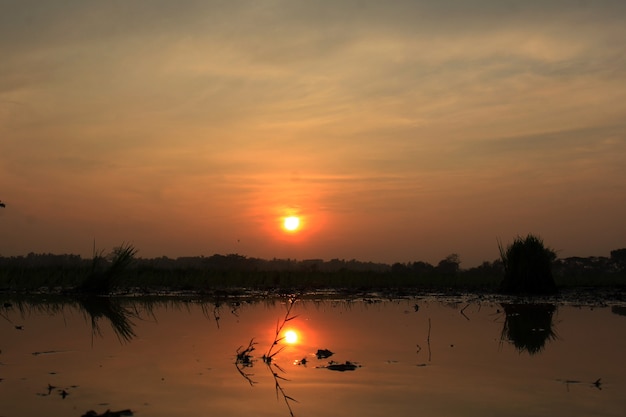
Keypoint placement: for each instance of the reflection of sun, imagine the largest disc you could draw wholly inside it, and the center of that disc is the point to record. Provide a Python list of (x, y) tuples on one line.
[(291, 337), (291, 223)]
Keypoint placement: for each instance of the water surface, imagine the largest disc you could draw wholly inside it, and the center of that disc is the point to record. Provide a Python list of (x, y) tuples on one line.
[(415, 356)]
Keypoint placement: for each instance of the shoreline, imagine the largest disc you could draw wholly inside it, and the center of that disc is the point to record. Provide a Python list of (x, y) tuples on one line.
[(579, 296)]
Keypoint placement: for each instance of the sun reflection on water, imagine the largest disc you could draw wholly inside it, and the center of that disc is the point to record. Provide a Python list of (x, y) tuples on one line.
[(291, 337)]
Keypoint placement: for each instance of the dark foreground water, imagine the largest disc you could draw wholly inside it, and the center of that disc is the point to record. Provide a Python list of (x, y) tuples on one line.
[(409, 357)]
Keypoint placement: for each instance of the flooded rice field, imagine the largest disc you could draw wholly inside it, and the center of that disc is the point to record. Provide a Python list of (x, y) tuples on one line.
[(429, 356)]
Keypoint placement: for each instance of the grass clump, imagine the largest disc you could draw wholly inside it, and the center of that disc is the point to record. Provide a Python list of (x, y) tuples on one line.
[(528, 267), (106, 272)]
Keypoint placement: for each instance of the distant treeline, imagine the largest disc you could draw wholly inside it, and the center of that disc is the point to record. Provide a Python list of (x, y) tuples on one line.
[(35, 270), (232, 262)]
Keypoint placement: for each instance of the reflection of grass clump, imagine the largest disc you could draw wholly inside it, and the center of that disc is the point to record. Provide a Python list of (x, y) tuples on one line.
[(106, 272), (528, 326), (112, 310), (528, 267)]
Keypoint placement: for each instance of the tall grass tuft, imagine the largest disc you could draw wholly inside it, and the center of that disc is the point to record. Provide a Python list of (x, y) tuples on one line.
[(106, 272), (527, 267)]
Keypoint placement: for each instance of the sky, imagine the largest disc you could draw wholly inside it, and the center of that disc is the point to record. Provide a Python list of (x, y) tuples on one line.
[(397, 131)]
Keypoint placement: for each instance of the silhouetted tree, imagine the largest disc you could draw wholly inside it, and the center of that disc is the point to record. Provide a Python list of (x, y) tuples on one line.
[(421, 267), (528, 266), (449, 265), (618, 257), (399, 268)]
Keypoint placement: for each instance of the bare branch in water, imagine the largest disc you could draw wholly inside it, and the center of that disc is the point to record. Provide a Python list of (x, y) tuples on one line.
[(279, 327), (245, 360), (279, 389)]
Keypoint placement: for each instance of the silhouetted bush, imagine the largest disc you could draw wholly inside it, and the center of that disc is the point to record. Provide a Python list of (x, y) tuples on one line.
[(528, 267)]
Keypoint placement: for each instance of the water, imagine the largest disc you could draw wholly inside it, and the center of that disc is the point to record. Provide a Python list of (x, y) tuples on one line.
[(415, 356)]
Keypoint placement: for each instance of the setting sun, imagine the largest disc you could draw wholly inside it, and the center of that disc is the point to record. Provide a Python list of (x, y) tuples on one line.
[(291, 223), (291, 337)]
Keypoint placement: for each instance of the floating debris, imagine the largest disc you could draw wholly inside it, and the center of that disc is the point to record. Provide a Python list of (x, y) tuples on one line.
[(324, 353), (108, 413), (596, 384), (47, 352), (48, 391), (342, 367), (244, 356)]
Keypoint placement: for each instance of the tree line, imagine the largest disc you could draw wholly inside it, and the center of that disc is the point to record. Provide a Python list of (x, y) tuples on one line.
[(450, 265)]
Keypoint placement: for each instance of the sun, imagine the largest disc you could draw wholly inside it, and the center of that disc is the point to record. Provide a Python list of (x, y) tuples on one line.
[(291, 223)]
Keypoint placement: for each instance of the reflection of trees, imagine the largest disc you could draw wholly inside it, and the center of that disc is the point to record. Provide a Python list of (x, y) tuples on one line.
[(619, 310), (528, 326)]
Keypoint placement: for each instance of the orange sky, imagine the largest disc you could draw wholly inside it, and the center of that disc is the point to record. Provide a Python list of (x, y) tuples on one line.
[(399, 131)]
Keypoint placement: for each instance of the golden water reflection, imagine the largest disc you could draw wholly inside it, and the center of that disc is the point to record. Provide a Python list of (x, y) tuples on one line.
[(446, 357)]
